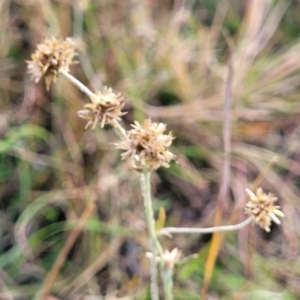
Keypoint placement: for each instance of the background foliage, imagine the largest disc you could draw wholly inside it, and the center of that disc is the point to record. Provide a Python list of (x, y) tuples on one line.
[(170, 60)]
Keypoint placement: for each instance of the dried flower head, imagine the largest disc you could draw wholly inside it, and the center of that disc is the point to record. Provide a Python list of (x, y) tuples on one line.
[(106, 107), (146, 146), (261, 207), (50, 58), (170, 259)]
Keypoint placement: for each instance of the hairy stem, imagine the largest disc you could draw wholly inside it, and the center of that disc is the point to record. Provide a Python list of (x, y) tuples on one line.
[(76, 82), (119, 130), (167, 276), (154, 243)]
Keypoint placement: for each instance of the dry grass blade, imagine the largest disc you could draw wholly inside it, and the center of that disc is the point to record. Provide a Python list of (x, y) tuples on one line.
[(108, 253), (49, 280)]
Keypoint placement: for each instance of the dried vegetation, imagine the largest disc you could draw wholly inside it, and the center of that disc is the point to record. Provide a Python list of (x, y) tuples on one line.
[(171, 60)]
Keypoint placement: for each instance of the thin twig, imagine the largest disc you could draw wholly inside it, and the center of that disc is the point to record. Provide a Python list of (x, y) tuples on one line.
[(238, 226)]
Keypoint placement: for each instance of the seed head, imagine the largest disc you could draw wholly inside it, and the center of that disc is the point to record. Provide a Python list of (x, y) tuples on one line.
[(261, 207), (146, 146), (106, 107), (50, 58)]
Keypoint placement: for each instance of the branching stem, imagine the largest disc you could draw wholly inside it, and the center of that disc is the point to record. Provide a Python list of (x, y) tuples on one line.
[(170, 230)]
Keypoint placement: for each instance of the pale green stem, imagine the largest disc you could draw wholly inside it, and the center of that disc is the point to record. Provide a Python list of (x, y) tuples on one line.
[(153, 273), (167, 275), (76, 82), (170, 230), (155, 246)]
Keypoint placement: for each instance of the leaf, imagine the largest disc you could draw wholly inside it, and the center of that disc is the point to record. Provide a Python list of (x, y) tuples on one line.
[(18, 133), (160, 223), (215, 245)]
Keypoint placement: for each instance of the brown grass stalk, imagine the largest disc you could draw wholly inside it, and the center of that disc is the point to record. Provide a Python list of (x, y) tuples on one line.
[(224, 188), (48, 282)]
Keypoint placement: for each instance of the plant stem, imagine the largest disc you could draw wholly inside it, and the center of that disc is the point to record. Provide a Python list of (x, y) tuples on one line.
[(238, 226), (155, 246), (167, 276), (76, 82), (119, 130), (153, 271)]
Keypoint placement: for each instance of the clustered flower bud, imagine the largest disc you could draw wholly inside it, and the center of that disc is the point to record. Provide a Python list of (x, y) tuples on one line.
[(50, 58), (106, 107), (146, 146), (261, 207), (170, 259)]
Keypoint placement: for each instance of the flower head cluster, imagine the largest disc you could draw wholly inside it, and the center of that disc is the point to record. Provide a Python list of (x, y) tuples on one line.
[(106, 107), (50, 58), (261, 207), (146, 146)]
